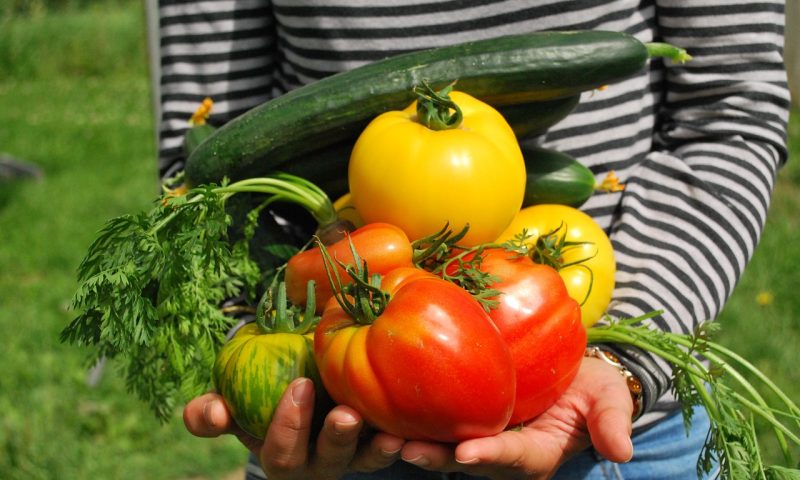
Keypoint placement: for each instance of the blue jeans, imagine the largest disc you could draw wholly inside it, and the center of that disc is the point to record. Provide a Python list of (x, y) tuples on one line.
[(661, 452)]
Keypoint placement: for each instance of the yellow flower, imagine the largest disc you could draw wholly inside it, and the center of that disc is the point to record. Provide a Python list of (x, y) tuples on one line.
[(765, 298), (203, 111), (611, 183)]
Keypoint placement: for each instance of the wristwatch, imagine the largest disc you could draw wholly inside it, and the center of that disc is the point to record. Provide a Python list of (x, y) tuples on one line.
[(634, 385)]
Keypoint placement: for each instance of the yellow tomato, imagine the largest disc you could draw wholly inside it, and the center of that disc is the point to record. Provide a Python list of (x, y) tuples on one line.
[(346, 211), (595, 272), (404, 173)]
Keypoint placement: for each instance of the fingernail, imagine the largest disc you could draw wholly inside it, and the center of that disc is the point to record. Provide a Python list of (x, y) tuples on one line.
[(207, 412), (419, 461), (301, 392), (631, 457), (469, 461), (345, 425), (390, 453)]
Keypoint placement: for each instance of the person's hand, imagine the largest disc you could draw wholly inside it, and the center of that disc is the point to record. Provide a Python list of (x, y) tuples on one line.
[(596, 410), (285, 452)]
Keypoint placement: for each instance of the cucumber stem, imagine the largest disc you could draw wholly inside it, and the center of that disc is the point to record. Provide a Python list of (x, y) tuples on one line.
[(662, 49)]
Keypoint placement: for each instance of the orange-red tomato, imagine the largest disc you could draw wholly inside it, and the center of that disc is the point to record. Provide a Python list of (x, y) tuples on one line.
[(541, 325), (432, 366), (384, 246)]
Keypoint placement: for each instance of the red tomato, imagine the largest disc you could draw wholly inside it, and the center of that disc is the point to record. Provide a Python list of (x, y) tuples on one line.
[(541, 325), (382, 245), (432, 366)]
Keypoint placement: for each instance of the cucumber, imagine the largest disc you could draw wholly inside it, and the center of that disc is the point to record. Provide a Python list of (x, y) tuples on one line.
[(531, 119), (502, 71), (195, 136), (327, 167), (555, 177)]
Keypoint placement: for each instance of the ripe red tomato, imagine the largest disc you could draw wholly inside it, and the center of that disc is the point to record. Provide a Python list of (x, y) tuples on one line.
[(382, 245), (541, 325), (432, 366)]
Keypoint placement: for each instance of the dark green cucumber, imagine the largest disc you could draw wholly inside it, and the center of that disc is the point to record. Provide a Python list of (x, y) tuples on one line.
[(555, 177), (327, 167), (502, 71), (195, 136), (531, 119)]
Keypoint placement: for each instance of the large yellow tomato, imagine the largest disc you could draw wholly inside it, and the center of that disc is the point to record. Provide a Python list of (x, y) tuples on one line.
[(407, 174), (346, 211), (597, 270)]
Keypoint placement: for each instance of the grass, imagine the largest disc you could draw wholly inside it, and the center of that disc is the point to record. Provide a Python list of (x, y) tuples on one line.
[(90, 129), (75, 102), (760, 320)]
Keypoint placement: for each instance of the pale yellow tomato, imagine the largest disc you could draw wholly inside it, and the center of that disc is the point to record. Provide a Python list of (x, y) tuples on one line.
[(590, 282), (346, 211)]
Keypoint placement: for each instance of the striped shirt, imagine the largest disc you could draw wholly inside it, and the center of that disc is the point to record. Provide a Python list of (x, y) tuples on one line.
[(698, 145)]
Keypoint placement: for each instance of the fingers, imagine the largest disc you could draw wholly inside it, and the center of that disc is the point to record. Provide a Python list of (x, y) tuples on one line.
[(506, 455), (509, 449), (597, 408), (431, 456), (530, 453), (207, 416), (382, 450), (285, 447), (285, 454), (341, 446), (337, 442)]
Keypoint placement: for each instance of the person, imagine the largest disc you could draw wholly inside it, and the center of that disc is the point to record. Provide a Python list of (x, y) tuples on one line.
[(697, 147)]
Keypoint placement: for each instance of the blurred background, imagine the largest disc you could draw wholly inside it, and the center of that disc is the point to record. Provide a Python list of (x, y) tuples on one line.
[(77, 134)]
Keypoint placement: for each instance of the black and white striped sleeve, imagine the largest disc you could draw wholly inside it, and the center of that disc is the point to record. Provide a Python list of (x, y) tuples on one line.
[(223, 49), (692, 213)]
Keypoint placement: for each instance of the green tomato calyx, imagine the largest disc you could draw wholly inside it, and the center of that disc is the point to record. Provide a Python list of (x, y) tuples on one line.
[(436, 110), (363, 300), (549, 249), (275, 315)]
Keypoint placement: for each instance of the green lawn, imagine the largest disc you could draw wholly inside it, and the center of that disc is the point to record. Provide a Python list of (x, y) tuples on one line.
[(89, 128), (761, 320), (75, 102)]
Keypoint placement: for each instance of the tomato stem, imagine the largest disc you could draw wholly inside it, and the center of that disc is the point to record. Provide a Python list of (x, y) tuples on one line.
[(549, 249), (275, 315), (434, 108), (363, 300), (430, 251)]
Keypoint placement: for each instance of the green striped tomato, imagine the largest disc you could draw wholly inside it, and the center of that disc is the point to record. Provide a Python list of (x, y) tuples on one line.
[(253, 369)]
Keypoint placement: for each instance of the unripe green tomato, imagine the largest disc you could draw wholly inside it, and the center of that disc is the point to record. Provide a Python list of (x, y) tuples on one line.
[(253, 369)]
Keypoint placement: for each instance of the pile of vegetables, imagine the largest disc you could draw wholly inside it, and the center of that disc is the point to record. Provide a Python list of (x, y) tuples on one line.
[(451, 290)]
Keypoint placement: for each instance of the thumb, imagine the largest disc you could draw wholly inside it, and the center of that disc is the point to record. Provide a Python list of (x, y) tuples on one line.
[(609, 422), (207, 416)]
